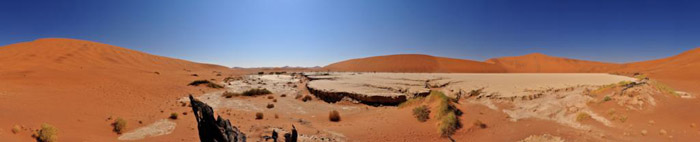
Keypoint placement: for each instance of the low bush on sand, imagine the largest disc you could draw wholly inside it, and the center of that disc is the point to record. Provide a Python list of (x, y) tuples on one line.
[(480, 124), (447, 113), (228, 94), (306, 98), (207, 82), (258, 115), (448, 125), (606, 98), (334, 116), (173, 116), (47, 133), (15, 129), (422, 113), (119, 125), (270, 106), (229, 79), (256, 91)]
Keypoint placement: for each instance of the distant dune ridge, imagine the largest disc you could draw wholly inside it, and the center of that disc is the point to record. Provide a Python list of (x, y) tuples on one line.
[(413, 63)]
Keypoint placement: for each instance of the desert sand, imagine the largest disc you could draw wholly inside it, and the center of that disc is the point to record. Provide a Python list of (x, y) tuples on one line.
[(81, 87)]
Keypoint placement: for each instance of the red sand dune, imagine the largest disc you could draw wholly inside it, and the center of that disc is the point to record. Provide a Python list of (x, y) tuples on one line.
[(412, 63), (681, 71), (540, 63), (76, 85)]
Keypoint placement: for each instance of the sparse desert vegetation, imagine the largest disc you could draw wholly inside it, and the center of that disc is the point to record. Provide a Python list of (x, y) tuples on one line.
[(334, 116), (270, 106), (15, 129), (119, 125), (173, 116), (256, 92), (228, 94), (207, 82), (47, 133), (422, 113), (258, 115)]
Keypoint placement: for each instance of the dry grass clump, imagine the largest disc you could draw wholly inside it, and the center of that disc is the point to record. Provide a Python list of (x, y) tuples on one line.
[(582, 116), (422, 113), (334, 116), (47, 133), (256, 91), (664, 88), (173, 116), (228, 94), (449, 125), (283, 95), (270, 106), (119, 125), (270, 97), (606, 98), (229, 79), (258, 115), (411, 101), (15, 129), (214, 85)]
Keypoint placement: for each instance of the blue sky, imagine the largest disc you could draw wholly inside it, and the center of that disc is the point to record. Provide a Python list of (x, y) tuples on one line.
[(266, 33)]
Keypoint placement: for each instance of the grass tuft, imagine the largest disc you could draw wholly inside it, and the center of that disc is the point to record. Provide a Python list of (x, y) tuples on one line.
[(256, 91), (422, 113)]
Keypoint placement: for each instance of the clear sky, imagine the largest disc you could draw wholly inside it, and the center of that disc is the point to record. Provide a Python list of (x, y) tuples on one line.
[(267, 33)]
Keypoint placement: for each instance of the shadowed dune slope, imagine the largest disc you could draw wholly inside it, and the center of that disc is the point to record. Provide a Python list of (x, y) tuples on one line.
[(413, 63)]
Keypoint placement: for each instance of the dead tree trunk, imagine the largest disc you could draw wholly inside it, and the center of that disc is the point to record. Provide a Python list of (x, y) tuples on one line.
[(214, 130)]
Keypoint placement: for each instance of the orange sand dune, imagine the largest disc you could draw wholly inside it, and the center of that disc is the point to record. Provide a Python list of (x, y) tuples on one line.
[(540, 63), (76, 85), (681, 71), (412, 63)]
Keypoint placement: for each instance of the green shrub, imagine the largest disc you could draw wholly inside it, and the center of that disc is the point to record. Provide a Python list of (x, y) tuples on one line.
[(119, 125), (256, 91), (334, 116), (47, 133), (422, 113), (448, 125)]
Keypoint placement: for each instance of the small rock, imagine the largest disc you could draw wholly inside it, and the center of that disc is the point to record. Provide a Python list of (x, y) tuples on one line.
[(644, 132), (651, 122), (670, 137), (692, 125), (662, 132)]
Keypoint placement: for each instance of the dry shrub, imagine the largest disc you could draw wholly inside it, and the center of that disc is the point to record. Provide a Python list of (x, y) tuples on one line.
[(270, 97), (582, 116), (306, 98), (228, 94), (173, 116), (15, 129), (214, 85), (479, 124), (334, 116), (119, 125), (283, 95), (256, 91), (258, 115), (198, 82), (47, 133), (422, 113), (270, 106)]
